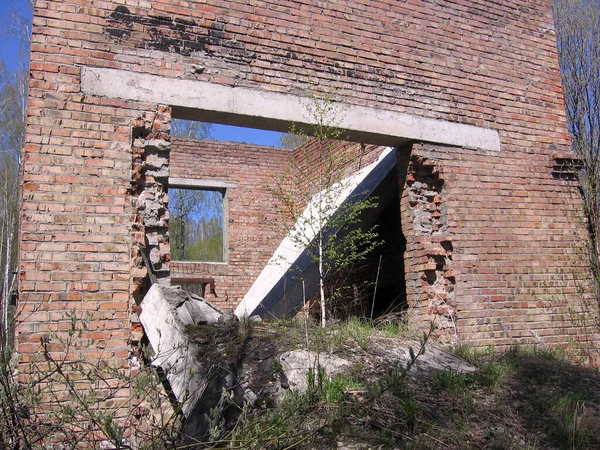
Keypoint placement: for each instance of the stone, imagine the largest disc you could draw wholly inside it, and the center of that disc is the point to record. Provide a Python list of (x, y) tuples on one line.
[(296, 364), (435, 359)]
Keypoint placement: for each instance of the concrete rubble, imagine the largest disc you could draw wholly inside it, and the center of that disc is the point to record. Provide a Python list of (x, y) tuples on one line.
[(164, 313), (296, 364), (212, 360), (435, 359)]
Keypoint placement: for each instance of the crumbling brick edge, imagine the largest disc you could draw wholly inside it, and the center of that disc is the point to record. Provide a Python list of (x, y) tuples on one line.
[(151, 146), (430, 280)]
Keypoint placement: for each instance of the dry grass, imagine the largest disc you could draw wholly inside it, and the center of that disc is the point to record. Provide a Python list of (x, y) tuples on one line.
[(523, 399)]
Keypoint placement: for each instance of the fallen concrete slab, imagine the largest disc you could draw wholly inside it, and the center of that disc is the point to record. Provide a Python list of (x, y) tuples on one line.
[(434, 359), (164, 313), (278, 291)]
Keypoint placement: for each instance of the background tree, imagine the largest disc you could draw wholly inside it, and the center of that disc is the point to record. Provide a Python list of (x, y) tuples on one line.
[(292, 140), (196, 224), (577, 24), (191, 129), (13, 99), (310, 191)]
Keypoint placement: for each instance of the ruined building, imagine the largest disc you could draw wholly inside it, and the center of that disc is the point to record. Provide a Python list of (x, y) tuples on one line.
[(486, 212)]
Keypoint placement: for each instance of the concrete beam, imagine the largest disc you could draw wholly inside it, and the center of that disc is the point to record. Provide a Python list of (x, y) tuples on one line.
[(279, 290), (243, 106), (206, 184)]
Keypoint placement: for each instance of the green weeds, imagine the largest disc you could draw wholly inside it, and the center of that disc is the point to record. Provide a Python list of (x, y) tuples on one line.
[(451, 381), (336, 389), (362, 330), (356, 330), (493, 374)]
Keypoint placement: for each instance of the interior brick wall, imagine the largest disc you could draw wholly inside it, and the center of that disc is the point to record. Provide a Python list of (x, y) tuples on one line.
[(254, 225), (316, 156)]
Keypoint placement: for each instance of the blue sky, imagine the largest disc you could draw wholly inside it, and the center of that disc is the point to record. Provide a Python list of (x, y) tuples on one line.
[(248, 135), (9, 46), (13, 56)]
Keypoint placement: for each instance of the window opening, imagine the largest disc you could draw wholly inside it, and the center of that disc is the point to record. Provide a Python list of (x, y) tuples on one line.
[(196, 224)]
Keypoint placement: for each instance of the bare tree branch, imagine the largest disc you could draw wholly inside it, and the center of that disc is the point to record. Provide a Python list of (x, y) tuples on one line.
[(577, 24)]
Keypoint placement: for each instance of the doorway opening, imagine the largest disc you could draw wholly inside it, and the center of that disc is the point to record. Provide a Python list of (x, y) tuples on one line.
[(375, 283)]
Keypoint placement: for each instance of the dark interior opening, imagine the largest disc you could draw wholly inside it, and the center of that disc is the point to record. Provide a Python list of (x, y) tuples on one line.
[(377, 286)]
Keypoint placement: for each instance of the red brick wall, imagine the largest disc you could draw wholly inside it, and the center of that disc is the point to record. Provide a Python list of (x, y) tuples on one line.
[(514, 254), (254, 228), (343, 157), (486, 63), (452, 60)]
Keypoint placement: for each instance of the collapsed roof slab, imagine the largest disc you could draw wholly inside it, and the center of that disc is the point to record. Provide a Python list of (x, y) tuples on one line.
[(278, 291)]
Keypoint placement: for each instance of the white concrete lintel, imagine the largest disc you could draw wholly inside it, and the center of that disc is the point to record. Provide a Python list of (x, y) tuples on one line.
[(206, 184), (273, 110)]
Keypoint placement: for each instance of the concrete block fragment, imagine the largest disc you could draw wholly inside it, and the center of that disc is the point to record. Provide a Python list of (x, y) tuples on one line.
[(295, 366), (164, 313)]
